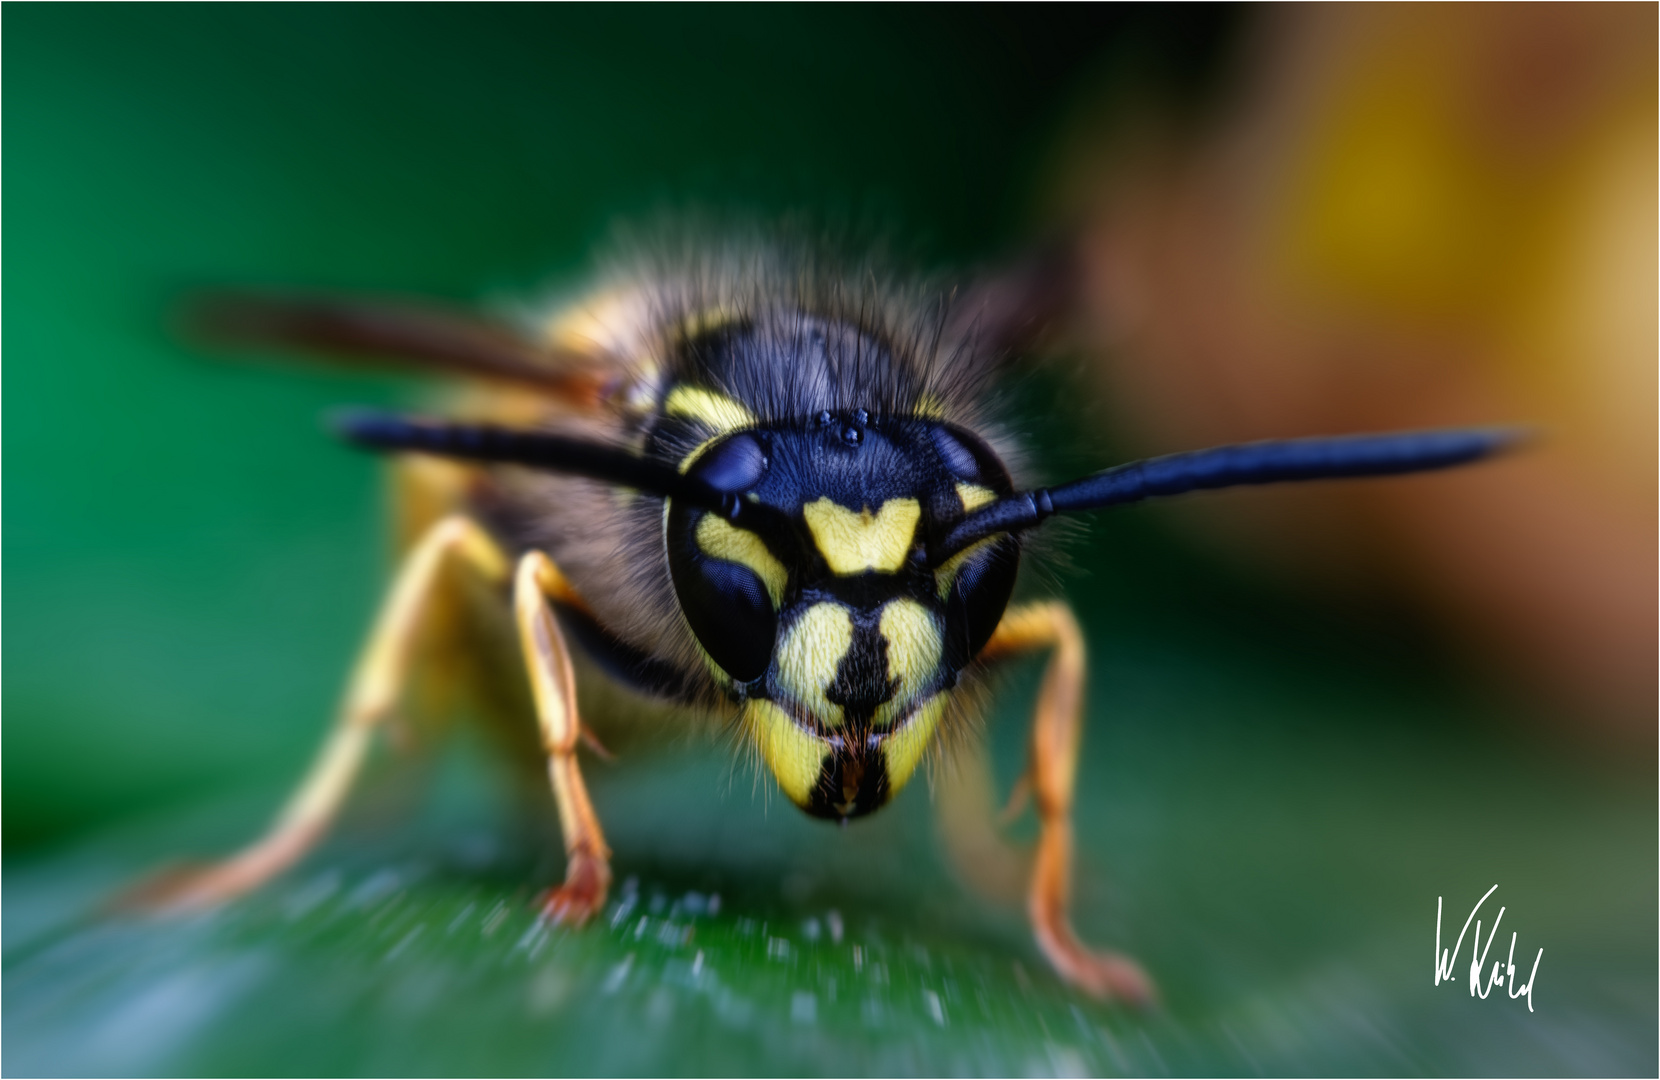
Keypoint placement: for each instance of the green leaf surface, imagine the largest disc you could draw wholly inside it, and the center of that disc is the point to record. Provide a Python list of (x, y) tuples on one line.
[(1278, 877)]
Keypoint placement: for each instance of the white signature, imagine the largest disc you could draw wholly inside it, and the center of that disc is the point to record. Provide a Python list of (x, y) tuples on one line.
[(1503, 974)]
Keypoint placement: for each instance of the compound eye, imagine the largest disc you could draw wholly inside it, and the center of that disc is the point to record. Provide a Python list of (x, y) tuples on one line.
[(979, 596), (717, 573), (731, 614)]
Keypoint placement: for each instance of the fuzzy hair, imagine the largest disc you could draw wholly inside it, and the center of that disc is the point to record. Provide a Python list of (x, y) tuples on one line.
[(860, 334)]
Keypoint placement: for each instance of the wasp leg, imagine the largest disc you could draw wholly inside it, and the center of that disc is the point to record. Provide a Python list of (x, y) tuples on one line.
[(376, 684), (966, 818), (1056, 730), (587, 859)]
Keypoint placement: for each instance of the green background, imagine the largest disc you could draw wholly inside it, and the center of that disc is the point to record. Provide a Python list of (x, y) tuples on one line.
[(1275, 789)]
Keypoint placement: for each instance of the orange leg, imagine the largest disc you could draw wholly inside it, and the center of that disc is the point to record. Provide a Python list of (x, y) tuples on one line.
[(371, 696), (587, 859), (1057, 729), (377, 683)]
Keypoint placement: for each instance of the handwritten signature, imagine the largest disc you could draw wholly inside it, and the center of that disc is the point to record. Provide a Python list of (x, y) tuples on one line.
[(1503, 974)]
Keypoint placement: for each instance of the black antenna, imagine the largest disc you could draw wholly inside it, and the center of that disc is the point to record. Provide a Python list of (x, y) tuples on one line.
[(1335, 457), (534, 449)]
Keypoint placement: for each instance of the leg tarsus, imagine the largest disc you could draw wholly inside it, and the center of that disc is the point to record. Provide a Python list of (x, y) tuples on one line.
[(582, 894), (200, 886), (547, 659), (371, 695), (1049, 780), (1105, 975)]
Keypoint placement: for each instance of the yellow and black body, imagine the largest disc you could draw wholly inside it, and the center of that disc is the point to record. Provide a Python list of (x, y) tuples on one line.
[(751, 480), (826, 620)]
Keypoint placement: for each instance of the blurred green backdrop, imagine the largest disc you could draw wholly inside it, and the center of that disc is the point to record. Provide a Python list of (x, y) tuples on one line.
[(1275, 791)]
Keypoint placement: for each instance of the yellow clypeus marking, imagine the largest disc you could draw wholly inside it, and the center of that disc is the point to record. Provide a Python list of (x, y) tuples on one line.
[(854, 542), (794, 756), (902, 751), (807, 660), (707, 407), (914, 645), (974, 496), (720, 539)]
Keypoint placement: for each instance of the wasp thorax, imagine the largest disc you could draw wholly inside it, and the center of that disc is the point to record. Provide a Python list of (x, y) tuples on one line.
[(820, 608)]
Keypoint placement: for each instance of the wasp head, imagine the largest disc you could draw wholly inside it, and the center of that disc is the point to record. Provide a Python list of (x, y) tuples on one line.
[(819, 606)]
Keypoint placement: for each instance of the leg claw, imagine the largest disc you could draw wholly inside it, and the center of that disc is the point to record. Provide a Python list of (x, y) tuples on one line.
[(1103, 975), (581, 897), (1113, 978), (169, 890)]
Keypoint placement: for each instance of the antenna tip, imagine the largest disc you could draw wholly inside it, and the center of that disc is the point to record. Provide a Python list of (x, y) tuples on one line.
[(1514, 437), (363, 427), (1486, 442)]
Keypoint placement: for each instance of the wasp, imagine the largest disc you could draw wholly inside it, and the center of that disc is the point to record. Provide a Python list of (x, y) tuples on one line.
[(758, 481)]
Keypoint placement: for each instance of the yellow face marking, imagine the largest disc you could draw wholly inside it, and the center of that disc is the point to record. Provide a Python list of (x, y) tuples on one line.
[(794, 756), (974, 496), (807, 660), (902, 751), (914, 648), (853, 543), (720, 539), (717, 411)]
